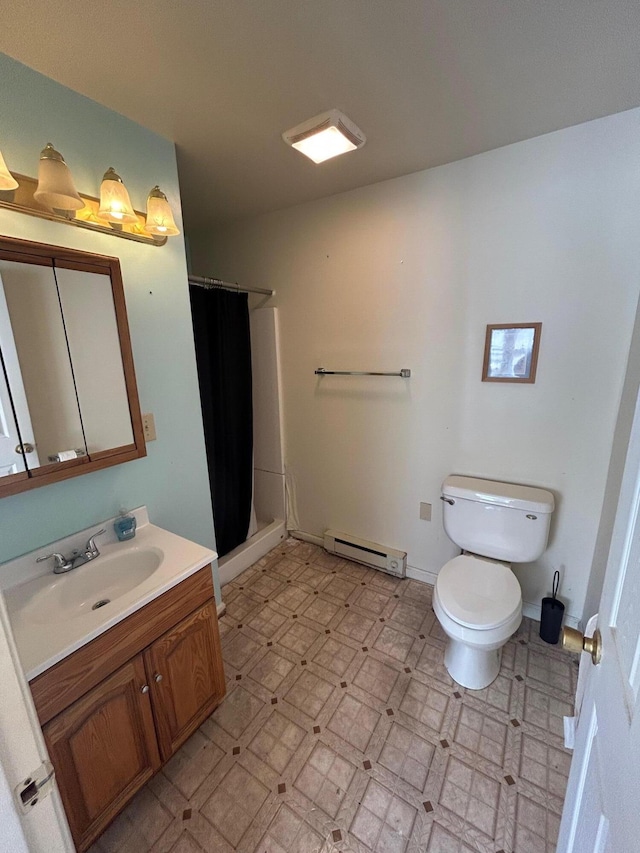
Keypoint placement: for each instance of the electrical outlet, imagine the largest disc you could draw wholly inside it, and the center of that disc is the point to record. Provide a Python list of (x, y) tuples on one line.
[(149, 427), (425, 511)]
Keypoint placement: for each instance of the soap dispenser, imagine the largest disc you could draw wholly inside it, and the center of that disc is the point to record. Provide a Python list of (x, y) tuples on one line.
[(125, 525)]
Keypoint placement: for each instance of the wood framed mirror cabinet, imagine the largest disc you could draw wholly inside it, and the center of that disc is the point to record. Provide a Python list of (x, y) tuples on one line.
[(68, 396)]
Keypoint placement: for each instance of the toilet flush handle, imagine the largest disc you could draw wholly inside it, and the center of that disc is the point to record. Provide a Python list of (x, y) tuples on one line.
[(447, 500)]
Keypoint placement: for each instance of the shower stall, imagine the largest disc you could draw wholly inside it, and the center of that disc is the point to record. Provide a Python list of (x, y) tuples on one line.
[(239, 374)]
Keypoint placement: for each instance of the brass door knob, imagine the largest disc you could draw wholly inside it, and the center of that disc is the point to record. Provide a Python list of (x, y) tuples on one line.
[(25, 448), (575, 641)]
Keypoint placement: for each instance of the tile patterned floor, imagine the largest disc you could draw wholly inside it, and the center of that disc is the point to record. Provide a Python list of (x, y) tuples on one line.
[(342, 732)]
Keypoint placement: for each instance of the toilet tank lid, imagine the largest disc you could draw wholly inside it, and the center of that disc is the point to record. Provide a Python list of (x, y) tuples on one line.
[(501, 494)]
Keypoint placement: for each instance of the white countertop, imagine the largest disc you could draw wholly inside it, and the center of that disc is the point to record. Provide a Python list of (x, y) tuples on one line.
[(42, 642)]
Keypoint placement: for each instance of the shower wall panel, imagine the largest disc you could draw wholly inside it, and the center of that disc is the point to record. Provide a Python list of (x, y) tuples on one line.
[(268, 457)]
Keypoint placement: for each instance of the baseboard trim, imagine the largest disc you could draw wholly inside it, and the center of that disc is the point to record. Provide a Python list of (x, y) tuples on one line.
[(422, 575), (249, 552), (307, 537), (533, 612), (221, 608)]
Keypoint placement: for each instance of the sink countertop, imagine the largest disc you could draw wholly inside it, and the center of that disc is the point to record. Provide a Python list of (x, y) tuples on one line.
[(43, 644)]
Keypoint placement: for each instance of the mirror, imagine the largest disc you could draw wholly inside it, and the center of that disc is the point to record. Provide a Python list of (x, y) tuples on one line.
[(39, 377), (68, 398), (11, 463), (92, 336)]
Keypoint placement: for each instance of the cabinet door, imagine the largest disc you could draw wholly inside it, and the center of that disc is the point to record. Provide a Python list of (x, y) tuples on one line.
[(103, 748), (187, 677)]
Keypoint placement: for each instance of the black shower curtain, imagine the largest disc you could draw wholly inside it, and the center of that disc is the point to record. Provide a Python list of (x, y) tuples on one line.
[(223, 355)]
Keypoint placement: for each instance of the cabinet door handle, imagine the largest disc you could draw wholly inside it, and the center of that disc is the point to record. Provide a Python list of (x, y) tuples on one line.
[(157, 677), (144, 688)]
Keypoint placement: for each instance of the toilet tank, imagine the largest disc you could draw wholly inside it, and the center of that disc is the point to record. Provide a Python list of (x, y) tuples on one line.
[(503, 521)]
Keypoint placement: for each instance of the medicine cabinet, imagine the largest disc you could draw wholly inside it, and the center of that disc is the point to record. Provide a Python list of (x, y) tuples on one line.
[(68, 396)]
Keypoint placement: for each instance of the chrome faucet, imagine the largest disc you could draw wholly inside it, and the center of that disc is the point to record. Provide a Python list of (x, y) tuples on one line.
[(78, 558)]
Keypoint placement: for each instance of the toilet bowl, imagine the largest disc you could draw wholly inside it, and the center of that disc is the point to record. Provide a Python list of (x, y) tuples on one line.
[(477, 598), (478, 603)]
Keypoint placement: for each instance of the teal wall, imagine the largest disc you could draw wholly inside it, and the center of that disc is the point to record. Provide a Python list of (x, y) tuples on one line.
[(172, 480)]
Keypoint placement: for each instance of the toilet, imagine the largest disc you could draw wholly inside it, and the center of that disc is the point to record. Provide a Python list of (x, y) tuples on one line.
[(477, 598)]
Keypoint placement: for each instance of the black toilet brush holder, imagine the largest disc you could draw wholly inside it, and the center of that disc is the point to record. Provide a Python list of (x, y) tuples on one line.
[(551, 615)]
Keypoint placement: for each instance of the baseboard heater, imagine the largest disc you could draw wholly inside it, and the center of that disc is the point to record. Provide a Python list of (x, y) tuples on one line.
[(370, 554)]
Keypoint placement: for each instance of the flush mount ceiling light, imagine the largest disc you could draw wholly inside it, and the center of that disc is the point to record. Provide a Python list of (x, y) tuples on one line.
[(324, 136)]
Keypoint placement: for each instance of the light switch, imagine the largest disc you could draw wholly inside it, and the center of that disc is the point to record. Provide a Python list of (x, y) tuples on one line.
[(149, 427), (425, 511)]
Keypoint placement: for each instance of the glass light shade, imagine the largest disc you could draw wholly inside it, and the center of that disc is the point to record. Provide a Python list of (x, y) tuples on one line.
[(56, 189), (159, 216), (323, 145), (115, 204), (7, 181)]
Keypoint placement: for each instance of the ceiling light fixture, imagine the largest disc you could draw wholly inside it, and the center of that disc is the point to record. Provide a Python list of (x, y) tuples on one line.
[(7, 181), (324, 136), (115, 204), (159, 216), (56, 189)]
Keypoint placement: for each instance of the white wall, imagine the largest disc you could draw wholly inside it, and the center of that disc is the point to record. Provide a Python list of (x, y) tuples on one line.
[(407, 273)]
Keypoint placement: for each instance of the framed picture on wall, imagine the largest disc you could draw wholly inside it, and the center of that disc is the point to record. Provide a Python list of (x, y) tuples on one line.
[(511, 352)]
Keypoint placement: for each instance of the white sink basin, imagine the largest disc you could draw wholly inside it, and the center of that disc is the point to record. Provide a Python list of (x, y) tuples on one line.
[(94, 585), (53, 615)]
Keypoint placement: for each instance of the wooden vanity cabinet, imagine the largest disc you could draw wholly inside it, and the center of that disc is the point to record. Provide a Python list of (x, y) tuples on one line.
[(104, 749), (183, 669), (108, 725)]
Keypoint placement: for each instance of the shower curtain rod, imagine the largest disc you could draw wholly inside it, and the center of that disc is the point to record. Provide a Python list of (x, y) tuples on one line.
[(213, 283)]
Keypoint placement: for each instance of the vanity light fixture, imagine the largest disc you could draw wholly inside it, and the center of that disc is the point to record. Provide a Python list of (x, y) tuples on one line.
[(56, 189), (53, 196), (115, 204), (324, 136), (7, 181), (159, 216)]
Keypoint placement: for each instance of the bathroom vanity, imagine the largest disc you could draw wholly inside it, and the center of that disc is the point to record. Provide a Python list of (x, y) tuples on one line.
[(118, 640), (119, 687)]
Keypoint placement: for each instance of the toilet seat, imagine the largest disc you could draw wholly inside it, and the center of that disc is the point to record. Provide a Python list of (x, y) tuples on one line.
[(478, 593)]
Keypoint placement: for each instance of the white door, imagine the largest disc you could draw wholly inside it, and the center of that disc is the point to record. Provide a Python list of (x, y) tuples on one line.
[(22, 750), (602, 804), (11, 462), (13, 404)]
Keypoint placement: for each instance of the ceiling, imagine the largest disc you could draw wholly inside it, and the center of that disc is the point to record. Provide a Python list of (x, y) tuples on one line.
[(428, 81)]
